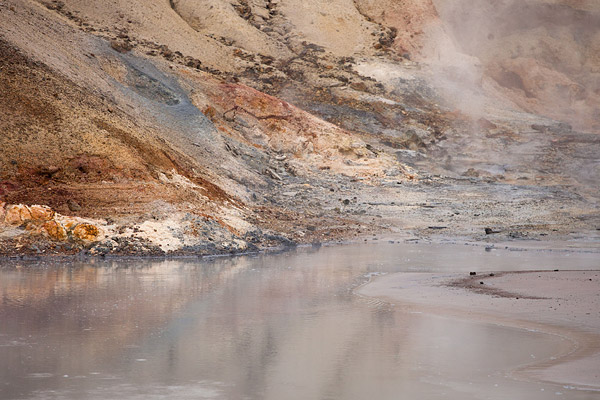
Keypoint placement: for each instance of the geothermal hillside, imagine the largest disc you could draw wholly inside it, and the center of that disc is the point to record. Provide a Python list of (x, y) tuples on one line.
[(218, 126)]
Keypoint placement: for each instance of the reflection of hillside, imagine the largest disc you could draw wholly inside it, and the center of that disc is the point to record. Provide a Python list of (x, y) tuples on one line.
[(81, 316), (84, 318), (251, 326)]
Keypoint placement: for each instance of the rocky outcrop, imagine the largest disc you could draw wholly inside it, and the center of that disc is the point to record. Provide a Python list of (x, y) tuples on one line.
[(42, 220)]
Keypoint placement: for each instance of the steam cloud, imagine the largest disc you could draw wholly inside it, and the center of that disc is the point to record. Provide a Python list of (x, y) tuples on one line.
[(541, 55)]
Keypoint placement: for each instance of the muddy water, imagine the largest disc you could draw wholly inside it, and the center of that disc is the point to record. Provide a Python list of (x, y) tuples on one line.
[(284, 326)]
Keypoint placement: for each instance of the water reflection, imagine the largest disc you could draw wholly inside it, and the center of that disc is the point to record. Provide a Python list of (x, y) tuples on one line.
[(282, 326)]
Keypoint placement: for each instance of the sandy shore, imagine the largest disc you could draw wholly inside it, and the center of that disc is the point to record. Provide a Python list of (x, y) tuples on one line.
[(565, 303)]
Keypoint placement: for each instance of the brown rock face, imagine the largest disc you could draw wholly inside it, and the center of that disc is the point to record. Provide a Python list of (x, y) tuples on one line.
[(86, 232)]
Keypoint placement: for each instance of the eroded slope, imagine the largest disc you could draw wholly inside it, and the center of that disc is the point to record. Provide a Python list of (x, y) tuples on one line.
[(221, 126)]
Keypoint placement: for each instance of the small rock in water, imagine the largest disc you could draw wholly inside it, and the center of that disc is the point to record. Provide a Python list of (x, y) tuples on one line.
[(472, 273)]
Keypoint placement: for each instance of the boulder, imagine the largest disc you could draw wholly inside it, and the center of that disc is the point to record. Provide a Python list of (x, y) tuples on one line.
[(17, 214), (41, 213), (55, 231), (73, 205), (86, 232)]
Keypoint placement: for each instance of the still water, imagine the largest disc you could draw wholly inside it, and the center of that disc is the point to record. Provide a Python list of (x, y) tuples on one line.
[(283, 326)]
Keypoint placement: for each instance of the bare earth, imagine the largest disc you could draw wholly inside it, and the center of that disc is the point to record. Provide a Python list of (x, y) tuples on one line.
[(564, 303), (227, 126)]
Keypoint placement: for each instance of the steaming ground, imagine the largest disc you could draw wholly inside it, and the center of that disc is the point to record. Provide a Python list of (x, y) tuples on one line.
[(218, 127), (540, 54)]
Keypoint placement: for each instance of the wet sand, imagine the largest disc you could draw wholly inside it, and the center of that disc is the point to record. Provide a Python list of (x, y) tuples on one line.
[(563, 303)]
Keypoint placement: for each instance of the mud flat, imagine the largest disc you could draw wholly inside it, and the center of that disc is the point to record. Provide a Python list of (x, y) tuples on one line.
[(563, 303)]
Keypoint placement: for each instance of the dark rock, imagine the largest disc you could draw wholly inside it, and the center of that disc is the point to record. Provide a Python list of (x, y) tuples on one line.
[(489, 231), (359, 86), (243, 9), (73, 205), (471, 172), (387, 38), (282, 240), (517, 235), (539, 128), (122, 46), (472, 273), (561, 127), (254, 236)]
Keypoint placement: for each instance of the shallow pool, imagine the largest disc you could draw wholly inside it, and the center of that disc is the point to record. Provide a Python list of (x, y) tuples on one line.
[(280, 326)]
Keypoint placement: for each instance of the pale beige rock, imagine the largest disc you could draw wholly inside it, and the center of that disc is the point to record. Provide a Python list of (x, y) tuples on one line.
[(41, 213), (17, 214), (69, 222)]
